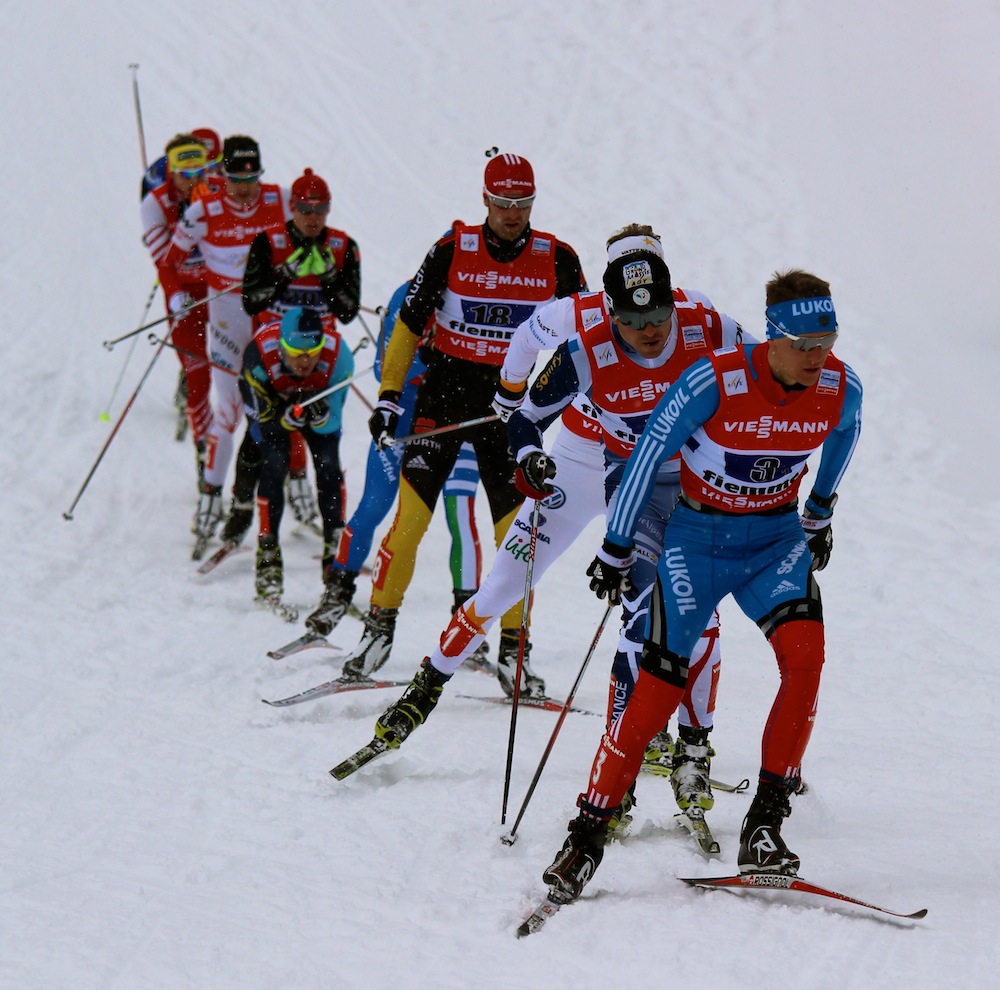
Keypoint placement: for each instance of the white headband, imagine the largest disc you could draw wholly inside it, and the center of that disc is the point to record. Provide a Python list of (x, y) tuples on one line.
[(634, 242)]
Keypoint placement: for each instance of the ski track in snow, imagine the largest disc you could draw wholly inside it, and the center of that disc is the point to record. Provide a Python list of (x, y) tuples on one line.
[(163, 828)]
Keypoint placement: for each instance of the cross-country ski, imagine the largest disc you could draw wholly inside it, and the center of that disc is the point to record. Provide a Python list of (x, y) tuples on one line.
[(783, 882)]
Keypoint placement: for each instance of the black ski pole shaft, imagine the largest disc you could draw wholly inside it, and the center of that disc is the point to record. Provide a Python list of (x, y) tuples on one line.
[(68, 514), (443, 429), (521, 642), (512, 835), (134, 66), (110, 344)]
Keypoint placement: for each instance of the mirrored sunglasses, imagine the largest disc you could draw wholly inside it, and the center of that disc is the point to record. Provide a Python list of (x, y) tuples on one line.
[(808, 342), (190, 173), (636, 321), (506, 202), (241, 178), (311, 209), (302, 351)]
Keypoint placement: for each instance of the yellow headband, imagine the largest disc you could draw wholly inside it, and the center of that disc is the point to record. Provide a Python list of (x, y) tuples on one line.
[(187, 156)]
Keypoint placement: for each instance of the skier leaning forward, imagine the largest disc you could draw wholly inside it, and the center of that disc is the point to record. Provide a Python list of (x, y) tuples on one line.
[(745, 421)]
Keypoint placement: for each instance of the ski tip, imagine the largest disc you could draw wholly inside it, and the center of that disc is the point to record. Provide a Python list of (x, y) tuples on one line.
[(922, 913)]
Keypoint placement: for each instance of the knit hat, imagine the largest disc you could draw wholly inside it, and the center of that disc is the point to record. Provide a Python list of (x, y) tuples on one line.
[(637, 287), (310, 188), (241, 154), (509, 175), (212, 143), (301, 329)]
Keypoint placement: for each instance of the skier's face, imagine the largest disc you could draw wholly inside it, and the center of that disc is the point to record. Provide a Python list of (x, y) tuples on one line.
[(302, 365), (508, 222), (243, 189), (791, 365), (310, 218), (647, 341)]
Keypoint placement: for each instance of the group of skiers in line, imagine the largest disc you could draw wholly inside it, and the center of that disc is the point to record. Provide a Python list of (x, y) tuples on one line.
[(689, 434)]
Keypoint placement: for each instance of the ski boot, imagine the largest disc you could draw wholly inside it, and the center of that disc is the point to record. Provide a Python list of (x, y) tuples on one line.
[(208, 515), (300, 497), (237, 522), (270, 570), (533, 685), (659, 756), (691, 766), (762, 849), (413, 706), (621, 820), (580, 855), (376, 642), (338, 593)]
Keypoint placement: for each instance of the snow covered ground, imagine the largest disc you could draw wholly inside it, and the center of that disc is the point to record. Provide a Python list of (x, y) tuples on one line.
[(161, 828)]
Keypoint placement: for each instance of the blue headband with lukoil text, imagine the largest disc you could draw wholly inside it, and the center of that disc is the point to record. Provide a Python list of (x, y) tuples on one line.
[(801, 316)]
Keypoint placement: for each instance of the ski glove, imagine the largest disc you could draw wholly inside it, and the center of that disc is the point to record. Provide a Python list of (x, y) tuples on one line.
[(294, 417), (294, 266), (384, 420), (508, 399), (817, 521), (316, 413), (608, 572), (533, 473), (324, 264), (179, 301)]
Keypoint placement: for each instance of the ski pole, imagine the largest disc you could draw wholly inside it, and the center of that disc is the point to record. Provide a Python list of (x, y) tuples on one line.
[(347, 382), (367, 330), (68, 514), (521, 644), (105, 416), (511, 837), (110, 344), (153, 339), (443, 429), (134, 66)]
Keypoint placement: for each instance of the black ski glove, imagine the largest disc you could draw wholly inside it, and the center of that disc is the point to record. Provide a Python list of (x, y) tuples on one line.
[(385, 419), (608, 572), (817, 521), (533, 473)]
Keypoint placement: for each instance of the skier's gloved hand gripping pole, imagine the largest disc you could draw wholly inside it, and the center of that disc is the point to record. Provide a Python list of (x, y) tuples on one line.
[(298, 407), (392, 441)]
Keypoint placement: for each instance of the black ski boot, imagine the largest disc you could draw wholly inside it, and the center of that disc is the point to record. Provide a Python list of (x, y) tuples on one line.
[(762, 849), (413, 706), (376, 642), (237, 522), (532, 686), (270, 569), (338, 593), (580, 855)]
